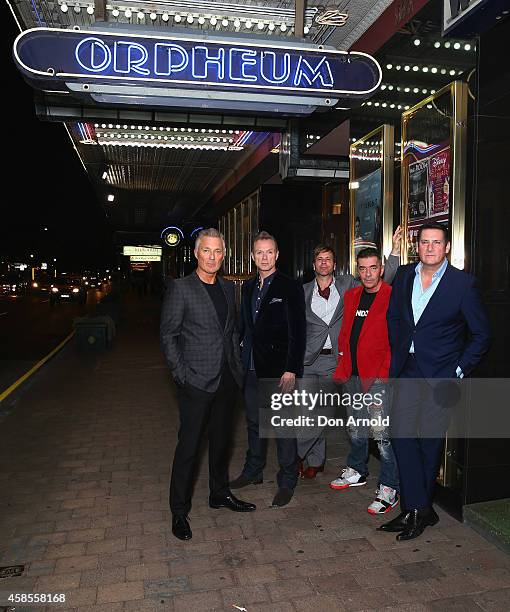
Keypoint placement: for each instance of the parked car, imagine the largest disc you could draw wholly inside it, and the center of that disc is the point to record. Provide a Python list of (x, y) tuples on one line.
[(67, 290)]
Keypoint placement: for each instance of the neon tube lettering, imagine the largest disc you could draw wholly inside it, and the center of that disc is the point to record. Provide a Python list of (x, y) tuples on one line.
[(129, 57), (169, 58), (202, 60), (239, 60), (321, 72), (266, 63), (93, 55)]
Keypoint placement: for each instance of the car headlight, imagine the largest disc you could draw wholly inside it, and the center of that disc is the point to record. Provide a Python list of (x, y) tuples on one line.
[(54, 289), (76, 290)]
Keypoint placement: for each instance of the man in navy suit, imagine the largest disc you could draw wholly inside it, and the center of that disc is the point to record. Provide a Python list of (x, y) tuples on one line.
[(273, 332), (438, 328)]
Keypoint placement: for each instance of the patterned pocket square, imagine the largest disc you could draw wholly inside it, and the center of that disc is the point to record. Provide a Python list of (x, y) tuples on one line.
[(275, 301)]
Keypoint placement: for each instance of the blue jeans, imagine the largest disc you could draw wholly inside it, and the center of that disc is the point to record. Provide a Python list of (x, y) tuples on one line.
[(359, 435)]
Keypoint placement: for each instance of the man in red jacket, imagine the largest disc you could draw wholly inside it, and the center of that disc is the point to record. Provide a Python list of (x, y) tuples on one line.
[(363, 366)]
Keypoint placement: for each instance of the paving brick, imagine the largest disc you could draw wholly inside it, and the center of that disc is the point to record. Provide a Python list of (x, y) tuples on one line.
[(166, 588), (78, 597), (76, 564), (241, 596), (318, 602), (60, 582), (121, 591), (149, 605), (203, 600), (454, 604), (65, 550), (110, 607), (259, 574), (233, 532), (106, 546), (120, 559), (493, 601), (284, 590), (212, 580), (103, 576), (145, 571), (85, 535)]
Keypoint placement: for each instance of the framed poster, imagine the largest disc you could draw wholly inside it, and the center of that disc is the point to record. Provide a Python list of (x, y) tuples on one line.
[(433, 168), (371, 160)]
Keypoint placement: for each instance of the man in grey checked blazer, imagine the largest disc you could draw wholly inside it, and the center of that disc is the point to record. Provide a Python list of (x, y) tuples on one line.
[(324, 301), (201, 345)]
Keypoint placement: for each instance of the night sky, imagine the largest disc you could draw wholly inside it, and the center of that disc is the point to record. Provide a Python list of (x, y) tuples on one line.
[(45, 184)]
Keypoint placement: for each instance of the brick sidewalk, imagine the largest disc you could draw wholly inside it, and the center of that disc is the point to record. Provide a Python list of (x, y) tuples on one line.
[(86, 458)]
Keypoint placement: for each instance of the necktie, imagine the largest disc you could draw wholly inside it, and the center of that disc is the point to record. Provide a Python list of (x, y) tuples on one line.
[(324, 293)]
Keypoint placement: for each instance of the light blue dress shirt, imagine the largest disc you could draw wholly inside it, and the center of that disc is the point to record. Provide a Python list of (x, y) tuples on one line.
[(421, 297)]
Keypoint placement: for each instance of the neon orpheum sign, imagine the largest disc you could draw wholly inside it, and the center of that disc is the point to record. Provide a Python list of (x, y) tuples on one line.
[(85, 60)]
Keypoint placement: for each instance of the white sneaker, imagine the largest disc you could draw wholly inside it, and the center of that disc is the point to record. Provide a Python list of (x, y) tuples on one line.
[(348, 478), (385, 500)]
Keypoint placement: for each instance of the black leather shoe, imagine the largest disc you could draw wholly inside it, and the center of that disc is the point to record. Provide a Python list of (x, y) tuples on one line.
[(180, 527), (399, 523), (416, 523), (232, 503), (282, 497), (243, 481)]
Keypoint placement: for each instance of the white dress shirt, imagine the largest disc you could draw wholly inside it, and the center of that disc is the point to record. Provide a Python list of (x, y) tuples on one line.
[(325, 309)]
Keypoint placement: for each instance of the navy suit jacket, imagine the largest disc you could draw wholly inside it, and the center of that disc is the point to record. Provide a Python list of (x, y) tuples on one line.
[(452, 331), (278, 336)]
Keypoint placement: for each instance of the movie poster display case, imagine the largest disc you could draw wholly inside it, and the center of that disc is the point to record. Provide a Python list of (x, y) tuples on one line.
[(433, 170), (371, 160)]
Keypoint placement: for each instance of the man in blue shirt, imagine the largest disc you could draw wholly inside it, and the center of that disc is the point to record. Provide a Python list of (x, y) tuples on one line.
[(438, 328)]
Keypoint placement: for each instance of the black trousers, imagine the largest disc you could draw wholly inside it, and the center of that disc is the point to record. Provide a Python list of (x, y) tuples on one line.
[(200, 410)]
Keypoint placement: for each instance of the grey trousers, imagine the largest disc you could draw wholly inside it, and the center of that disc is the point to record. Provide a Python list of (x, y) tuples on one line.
[(313, 450)]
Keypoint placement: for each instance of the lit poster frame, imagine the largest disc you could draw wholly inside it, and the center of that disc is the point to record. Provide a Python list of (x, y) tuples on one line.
[(433, 176), (371, 168)]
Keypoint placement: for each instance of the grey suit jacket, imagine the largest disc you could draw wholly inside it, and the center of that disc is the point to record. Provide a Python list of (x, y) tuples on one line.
[(194, 344), (316, 329)]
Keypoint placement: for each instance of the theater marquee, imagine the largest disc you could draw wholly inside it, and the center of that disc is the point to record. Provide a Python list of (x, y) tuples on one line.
[(103, 64)]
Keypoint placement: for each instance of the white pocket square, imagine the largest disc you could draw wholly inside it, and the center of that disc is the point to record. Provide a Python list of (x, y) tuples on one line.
[(275, 300)]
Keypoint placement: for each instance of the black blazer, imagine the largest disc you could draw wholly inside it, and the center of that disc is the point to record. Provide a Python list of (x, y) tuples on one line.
[(278, 337), (453, 330), (193, 341)]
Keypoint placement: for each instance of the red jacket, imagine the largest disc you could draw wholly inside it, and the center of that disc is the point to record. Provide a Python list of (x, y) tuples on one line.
[(373, 352)]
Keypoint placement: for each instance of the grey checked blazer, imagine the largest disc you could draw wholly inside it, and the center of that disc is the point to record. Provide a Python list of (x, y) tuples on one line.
[(316, 330), (194, 344)]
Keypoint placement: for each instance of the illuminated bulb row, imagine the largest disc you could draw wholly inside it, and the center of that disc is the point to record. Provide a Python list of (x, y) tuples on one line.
[(147, 128), (454, 45), (388, 105), (415, 68), (173, 145), (151, 137), (406, 89)]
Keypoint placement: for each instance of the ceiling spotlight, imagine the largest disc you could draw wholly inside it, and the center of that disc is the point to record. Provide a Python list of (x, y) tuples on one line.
[(467, 47), (407, 89), (417, 42), (452, 72), (433, 70), (189, 18), (407, 68), (447, 45), (390, 87), (416, 90), (383, 87), (456, 45), (389, 66), (90, 10), (415, 68), (128, 13), (443, 70), (437, 44), (425, 69)]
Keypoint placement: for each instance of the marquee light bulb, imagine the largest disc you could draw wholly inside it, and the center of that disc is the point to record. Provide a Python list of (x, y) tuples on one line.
[(306, 30), (189, 19), (248, 24), (64, 8), (213, 21), (165, 17), (224, 23), (115, 12), (237, 23), (201, 20), (140, 15), (260, 25), (90, 10), (128, 13), (153, 16), (177, 19)]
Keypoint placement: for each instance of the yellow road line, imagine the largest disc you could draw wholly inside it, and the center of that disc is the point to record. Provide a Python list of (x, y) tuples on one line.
[(34, 369)]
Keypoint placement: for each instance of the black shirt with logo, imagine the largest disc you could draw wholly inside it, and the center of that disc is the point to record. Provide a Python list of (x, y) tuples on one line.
[(365, 302)]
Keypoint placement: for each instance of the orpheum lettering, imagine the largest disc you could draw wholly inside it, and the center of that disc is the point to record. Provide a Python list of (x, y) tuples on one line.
[(213, 63)]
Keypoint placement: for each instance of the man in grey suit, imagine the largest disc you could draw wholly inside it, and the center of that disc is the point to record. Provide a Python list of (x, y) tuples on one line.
[(324, 300), (201, 345)]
